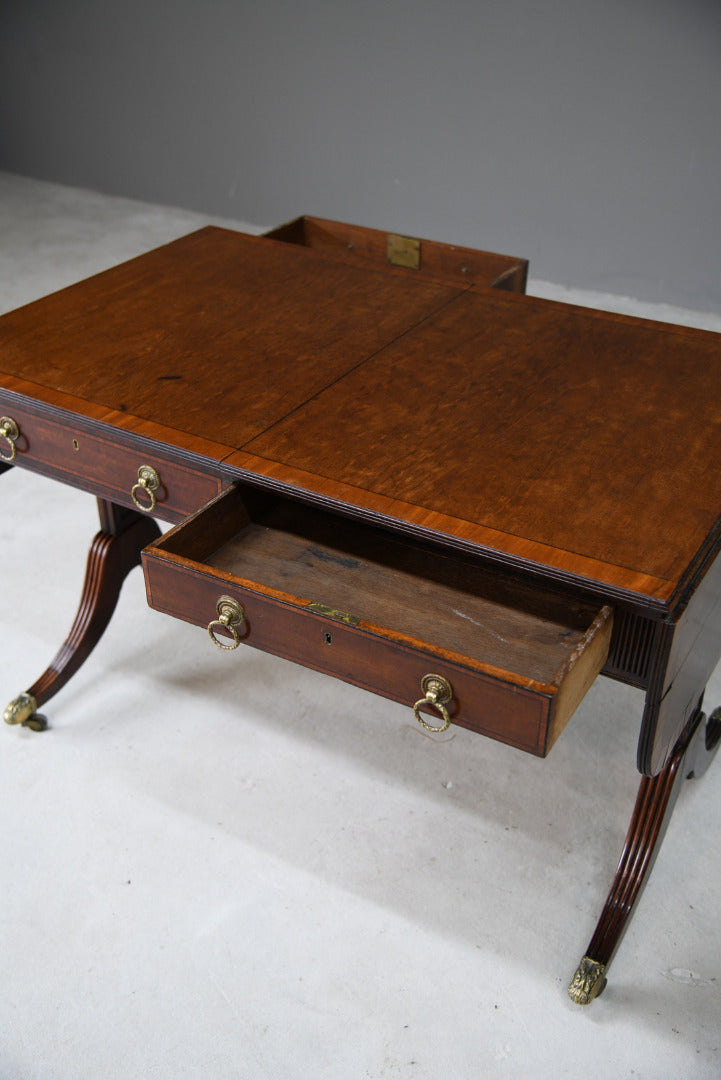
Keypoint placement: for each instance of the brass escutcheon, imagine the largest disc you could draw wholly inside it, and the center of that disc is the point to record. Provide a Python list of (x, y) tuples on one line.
[(148, 483), (438, 692), (11, 433), (230, 615)]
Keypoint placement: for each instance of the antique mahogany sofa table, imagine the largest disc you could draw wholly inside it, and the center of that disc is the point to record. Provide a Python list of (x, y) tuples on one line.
[(384, 461)]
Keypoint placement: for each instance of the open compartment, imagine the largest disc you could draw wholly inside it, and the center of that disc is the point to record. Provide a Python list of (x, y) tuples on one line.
[(383, 611), (446, 262)]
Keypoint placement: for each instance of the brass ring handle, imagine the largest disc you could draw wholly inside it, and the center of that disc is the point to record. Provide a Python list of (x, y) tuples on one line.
[(438, 692), (11, 433), (230, 615), (148, 483)]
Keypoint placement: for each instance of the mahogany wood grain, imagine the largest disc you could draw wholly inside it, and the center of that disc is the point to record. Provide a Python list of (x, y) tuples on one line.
[(540, 560), (447, 262), (217, 334), (539, 432), (585, 433), (200, 450)]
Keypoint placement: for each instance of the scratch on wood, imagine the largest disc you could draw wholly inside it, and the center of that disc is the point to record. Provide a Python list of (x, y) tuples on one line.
[(462, 615)]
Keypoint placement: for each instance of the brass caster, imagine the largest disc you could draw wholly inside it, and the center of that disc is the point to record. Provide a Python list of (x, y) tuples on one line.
[(23, 711), (588, 983)]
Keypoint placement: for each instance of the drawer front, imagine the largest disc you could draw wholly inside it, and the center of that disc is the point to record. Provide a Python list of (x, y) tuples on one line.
[(518, 658), (107, 463), (484, 704)]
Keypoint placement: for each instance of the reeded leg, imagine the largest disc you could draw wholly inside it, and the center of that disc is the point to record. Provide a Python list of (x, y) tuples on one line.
[(654, 804), (114, 552)]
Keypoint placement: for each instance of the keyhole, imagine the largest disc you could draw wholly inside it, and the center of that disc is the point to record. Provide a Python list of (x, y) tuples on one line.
[(327, 638)]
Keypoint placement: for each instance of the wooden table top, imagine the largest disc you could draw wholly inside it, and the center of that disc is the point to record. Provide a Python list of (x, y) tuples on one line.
[(586, 443)]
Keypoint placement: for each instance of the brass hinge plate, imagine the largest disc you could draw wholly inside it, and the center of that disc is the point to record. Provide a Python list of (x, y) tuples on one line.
[(404, 251)]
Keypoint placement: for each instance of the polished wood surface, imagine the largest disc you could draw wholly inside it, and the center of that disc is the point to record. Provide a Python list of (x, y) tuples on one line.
[(373, 390), (217, 335), (574, 427)]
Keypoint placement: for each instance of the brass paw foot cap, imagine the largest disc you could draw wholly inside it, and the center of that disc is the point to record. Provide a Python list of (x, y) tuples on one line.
[(588, 982), (23, 710)]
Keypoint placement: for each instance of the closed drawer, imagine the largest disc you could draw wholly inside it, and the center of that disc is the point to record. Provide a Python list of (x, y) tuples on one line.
[(382, 611), (105, 461)]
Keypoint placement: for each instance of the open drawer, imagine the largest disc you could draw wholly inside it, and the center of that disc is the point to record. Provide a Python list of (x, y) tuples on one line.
[(445, 262), (382, 611)]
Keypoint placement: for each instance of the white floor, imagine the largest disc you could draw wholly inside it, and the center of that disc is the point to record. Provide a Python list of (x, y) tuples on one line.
[(224, 866)]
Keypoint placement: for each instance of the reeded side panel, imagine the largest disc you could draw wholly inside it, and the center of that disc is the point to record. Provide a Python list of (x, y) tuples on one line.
[(632, 646)]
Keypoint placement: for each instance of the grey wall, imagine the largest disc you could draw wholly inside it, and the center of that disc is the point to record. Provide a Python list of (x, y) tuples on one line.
[(582, 134)]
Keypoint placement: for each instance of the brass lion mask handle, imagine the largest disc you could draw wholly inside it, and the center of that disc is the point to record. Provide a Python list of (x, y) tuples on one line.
[(10, 432), (438, 692), (230, 616)]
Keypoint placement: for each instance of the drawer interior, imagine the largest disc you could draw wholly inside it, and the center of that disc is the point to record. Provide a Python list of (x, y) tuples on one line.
[(449, 607), (380, 580), (460, 265)]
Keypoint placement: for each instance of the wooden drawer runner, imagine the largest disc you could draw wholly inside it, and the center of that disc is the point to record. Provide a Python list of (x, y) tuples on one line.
[(382, 611), (105, 461)]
